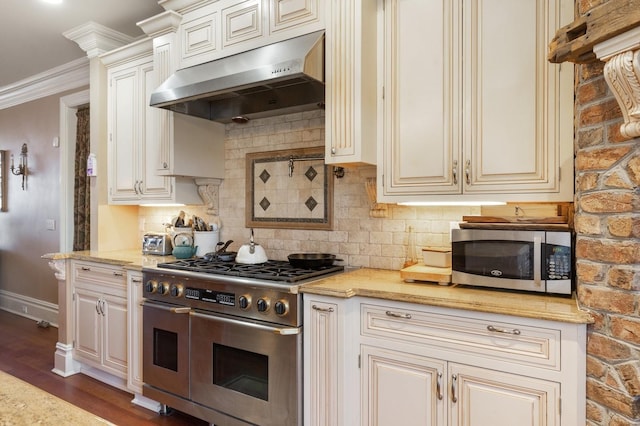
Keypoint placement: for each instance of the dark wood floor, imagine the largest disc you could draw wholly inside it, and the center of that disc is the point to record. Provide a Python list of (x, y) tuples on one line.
[(26, 352)]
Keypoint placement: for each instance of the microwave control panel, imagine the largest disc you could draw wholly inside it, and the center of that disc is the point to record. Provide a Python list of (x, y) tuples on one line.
[(558, 259)]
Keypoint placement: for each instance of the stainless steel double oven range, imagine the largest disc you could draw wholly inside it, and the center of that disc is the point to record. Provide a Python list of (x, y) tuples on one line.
[(223, 341)]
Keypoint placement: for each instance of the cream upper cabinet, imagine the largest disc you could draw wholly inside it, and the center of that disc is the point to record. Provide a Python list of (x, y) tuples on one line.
[(351, 81), (471, 110), (214, 29), (153, 157), (132, 177)]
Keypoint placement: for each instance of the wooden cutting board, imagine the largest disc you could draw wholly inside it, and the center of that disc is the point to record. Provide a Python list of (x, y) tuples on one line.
[(514, 219), (425, 273), (517, 226)]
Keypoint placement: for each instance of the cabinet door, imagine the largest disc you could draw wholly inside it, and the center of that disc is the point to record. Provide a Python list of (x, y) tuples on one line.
[(477, 110), (422, 106), (87, 319), (402, 389), (290, 13), (515, 140), (321, 367), (153, 185), (351, 81), (124, 133), (242, 22), (134, 327), (481, 397), (114, 331)]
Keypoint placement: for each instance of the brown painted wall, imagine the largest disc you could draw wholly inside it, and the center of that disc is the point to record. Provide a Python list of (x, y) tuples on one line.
[(23, 234), (608, 247)]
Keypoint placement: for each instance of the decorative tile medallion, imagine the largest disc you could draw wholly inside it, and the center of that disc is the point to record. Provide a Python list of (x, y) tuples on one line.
[(264, 176), (264, 203), (311, 203), (311, 173), (290, 189)]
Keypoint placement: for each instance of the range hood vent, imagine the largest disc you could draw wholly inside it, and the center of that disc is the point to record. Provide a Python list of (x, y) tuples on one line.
[(277, 79)]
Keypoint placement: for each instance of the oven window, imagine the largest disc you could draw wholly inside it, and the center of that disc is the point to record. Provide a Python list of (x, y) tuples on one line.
[(514, 259), (165, 349), (241, 371)]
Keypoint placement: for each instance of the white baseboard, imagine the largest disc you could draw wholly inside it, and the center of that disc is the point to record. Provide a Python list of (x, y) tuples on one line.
[(147, 403), (28, 307)]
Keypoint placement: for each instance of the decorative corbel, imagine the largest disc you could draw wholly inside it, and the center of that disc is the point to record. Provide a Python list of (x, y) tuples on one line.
[(379, 210), (209, 191), (622, 73)]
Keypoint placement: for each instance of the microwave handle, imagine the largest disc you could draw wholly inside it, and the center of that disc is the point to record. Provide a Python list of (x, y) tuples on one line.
[(537, 259)]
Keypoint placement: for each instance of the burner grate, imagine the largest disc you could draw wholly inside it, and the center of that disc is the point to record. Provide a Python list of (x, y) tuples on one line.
[(272, 270)]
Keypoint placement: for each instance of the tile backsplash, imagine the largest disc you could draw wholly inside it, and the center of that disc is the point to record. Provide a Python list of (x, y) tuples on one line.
[(356, 237)]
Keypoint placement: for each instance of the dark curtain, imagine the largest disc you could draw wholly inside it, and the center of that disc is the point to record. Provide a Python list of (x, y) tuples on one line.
[(81, 201)]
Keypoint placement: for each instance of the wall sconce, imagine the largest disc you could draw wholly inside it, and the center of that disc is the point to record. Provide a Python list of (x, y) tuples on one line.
[(21, 170)]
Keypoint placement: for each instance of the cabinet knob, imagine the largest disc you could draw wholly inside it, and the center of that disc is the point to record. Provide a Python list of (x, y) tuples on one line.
[(333, 151), (165, 165)]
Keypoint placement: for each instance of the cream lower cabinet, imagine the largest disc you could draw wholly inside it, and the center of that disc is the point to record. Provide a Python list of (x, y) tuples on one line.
[(401, 388), (424, 365), (100, 317), (134, 325), (477, 113)]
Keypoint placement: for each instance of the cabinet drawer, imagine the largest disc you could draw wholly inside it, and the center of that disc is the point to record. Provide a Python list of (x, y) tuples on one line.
[(99, 274), (518, 342)]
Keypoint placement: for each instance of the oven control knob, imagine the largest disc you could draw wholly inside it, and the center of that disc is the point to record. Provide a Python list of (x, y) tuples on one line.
[(280, 307), (176, 290), (163, 288), (151, 286), (263, 305), (244, 302)]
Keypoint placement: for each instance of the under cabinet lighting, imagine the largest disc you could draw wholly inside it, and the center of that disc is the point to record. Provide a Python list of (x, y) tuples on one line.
[(53, 1), (452, 203)]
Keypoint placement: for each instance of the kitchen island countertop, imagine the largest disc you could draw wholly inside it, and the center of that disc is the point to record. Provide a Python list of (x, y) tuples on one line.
[(388, 285)]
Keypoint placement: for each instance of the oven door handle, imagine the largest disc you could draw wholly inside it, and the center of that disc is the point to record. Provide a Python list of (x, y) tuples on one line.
[(173, 309), (288, 331)]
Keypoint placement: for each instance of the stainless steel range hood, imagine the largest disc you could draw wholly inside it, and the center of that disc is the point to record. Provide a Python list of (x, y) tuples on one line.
[(272, 80)]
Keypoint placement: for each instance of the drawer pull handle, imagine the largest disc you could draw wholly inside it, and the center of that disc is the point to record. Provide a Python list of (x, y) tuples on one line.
[(439, 386), (85, 268), (117, 274), (503, 330), (454, 383), (397, 315), (318, 308)]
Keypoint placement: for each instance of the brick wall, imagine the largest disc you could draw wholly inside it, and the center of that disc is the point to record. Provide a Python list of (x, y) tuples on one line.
[(607, 225)]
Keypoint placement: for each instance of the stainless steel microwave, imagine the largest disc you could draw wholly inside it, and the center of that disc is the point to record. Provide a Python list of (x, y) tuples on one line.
[(536, 261)]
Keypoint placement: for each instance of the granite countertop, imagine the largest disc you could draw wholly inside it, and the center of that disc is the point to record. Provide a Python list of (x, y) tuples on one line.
[(388, 285), (128, 259)]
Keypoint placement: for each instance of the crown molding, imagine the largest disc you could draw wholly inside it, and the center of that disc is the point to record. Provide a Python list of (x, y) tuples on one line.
[(71, 75), (164, 23), (95, 39)]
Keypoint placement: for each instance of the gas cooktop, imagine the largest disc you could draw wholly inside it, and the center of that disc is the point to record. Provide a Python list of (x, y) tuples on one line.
[(272, 270)]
